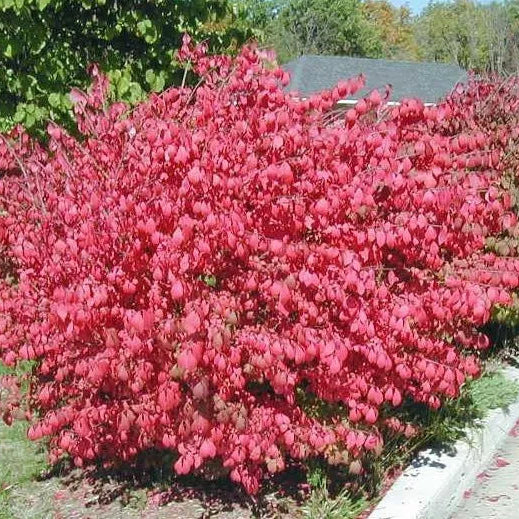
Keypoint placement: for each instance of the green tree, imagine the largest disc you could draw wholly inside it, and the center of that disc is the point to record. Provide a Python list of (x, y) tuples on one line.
[(476, 36), (259, 15), (46, 45), (441, 33), (323, 27), (502, 23)]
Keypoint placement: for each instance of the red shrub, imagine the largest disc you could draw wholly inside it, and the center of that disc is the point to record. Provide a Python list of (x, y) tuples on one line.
[(188, 271)]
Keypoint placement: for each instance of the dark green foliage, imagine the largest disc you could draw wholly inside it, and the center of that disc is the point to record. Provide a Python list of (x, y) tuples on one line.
[(46, 46)]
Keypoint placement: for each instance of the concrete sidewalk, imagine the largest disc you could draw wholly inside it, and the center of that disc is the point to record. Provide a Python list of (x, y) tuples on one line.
[(496, 492)]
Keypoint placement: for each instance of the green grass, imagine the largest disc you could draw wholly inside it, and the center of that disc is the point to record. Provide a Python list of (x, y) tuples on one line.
[(21, 462), (492, 391), (442, 428)]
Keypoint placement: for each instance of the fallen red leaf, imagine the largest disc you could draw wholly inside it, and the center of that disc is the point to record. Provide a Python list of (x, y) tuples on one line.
[(515, 431), (482, 476), (494, 499), (501, 462)]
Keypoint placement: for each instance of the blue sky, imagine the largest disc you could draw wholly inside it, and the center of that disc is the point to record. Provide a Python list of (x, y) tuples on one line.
[(415, 5)]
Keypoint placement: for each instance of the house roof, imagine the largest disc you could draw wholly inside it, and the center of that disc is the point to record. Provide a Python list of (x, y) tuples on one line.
[(427, 81)]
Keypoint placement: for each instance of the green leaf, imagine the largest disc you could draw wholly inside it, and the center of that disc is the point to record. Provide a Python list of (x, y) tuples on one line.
[(30, 120), (8, 50), (150, 77), (123, 85), (143, 26), (115, 75), (160, 82), (135, 92), (54, 100), (42, 4), (111, 32), (19, 115), (67, 102), (6, 4), (155, 81), (148, 30), (209, 280)]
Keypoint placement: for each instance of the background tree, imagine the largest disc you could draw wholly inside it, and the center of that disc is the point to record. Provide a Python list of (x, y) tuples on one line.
[(337, 27), (443, 34), (476, 36), (501, 23), (46, 45), (259, 14), (395, 27)]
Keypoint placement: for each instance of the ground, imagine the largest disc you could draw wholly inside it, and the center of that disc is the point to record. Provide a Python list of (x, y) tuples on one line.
[(29, 491)]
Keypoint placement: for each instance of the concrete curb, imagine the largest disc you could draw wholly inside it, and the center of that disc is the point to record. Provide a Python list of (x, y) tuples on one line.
[(433, 486)]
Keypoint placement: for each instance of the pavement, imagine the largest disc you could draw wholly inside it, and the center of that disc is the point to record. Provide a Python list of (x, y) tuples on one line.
[(496, 491)]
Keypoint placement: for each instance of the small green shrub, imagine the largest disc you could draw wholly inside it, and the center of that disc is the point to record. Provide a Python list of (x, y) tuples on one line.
[(323, 505)]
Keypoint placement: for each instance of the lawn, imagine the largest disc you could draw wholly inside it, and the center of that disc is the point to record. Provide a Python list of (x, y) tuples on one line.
[(21, 463)]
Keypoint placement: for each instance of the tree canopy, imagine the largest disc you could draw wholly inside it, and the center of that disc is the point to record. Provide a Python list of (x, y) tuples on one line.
[(324, 27), (476, 36), (46, 45), (395, 28)]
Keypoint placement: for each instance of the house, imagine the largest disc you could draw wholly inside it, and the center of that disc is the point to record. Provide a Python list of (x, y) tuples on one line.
[(428, 81)]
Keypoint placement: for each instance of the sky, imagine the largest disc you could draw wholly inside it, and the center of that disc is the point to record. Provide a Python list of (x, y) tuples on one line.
[(416, 5)]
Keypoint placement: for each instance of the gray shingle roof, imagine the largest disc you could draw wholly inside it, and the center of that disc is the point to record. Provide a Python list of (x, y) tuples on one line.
[(427, 81)]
